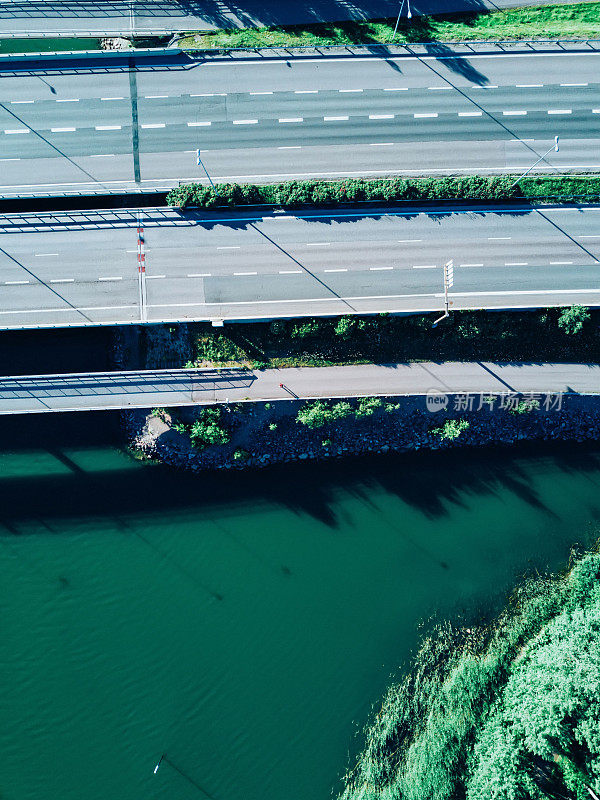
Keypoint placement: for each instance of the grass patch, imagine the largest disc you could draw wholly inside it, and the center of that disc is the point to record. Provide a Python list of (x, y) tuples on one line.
[(505, 711), (548, 22), (464, 336), (320, 193)]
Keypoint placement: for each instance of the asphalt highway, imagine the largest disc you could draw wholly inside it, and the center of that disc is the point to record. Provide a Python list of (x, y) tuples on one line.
[(130, 17), (168, 388), (65, 130), (83, 268)]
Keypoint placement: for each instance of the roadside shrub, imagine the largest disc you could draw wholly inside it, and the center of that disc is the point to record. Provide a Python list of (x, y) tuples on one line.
[(305, 330), (314, 415), (572, 319), (451, 429), (367, 406), (208, 429)]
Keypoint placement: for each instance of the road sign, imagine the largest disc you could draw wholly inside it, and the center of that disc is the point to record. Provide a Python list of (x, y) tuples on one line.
[(449, 273)]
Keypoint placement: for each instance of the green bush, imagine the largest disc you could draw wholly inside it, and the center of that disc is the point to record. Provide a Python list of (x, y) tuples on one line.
[(208, 429), (314, 415), (293, 194), (367, 406), (451, 429), (572, 319)]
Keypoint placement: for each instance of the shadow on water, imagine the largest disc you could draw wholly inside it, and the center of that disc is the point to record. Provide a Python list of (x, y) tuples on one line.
[(431, 483)]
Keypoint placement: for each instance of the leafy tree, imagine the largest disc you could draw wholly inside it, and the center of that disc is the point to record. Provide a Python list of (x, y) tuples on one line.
[(572, 319)]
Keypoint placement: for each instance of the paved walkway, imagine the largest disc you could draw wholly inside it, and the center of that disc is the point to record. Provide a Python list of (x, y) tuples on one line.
[(168, 388), (143, 17)]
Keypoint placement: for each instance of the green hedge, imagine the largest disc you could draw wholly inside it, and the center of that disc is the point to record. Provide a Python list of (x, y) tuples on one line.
[(294, 194)]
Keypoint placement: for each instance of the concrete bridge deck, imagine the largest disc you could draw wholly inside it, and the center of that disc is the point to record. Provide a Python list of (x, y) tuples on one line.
[(184, 387)]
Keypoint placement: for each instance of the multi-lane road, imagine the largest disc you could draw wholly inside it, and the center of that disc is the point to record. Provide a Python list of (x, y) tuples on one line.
[(143, 17), (82, 268), (181, 387), (88, 126)]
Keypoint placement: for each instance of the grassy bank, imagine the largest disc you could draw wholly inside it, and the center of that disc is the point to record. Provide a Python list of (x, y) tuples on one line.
[(509, 710), (548, 22), (320, 193), (543, 335)]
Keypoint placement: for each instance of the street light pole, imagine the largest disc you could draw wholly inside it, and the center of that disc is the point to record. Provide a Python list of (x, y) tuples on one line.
[(541, 158), (448, 282), (200, 163), (409, 15)]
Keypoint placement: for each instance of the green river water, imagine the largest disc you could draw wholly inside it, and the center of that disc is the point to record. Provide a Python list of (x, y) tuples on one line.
[(242, 623)]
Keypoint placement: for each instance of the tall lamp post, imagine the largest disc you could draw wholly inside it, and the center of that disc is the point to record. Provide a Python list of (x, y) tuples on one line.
[(200, 163), (541, 158), (408, 15), (448, 283)]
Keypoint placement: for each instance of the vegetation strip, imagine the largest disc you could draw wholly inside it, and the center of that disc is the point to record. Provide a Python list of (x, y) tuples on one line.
[(321, 193), (581, 20), (508, 710)]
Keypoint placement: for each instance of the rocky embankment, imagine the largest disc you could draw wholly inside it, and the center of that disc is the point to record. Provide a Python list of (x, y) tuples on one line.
[(267, 433)]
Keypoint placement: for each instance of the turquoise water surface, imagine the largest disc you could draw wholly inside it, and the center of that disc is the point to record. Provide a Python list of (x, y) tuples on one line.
[(243, 623)]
